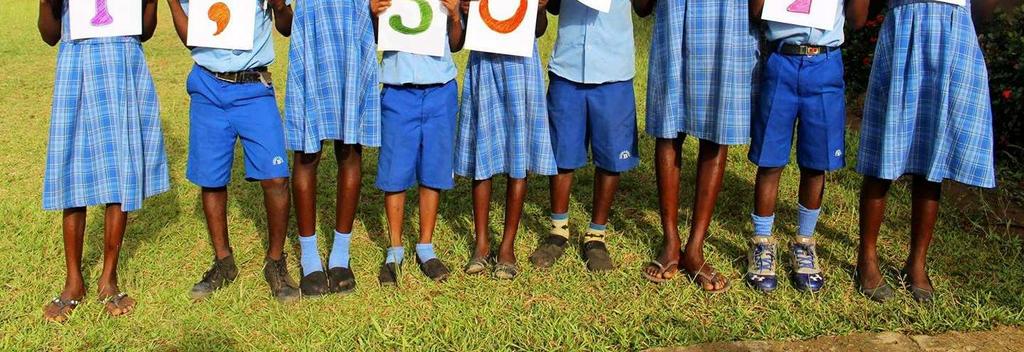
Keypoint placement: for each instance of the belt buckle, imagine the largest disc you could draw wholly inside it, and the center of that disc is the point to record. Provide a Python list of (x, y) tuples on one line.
[(812, 50)]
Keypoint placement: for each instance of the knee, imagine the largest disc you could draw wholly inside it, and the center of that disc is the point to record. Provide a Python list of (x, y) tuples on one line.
[(275, 185), (307, 160)]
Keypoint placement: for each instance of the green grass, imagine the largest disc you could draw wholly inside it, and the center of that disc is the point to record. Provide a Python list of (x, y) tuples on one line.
[(976, 267)]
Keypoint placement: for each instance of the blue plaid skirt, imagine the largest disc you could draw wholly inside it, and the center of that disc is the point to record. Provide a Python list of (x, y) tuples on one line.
[(105, 145), (927, 110), (333, 91), (504, 119), (703, 71)]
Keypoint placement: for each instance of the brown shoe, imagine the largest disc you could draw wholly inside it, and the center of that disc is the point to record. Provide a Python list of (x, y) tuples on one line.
[(282, 287), (220, 274)]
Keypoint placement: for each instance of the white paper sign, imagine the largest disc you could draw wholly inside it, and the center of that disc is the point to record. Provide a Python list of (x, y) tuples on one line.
[(961, 3), (600, 5), (222, 24), (502, 26), (413, 26), (820, 14), (105, 18)]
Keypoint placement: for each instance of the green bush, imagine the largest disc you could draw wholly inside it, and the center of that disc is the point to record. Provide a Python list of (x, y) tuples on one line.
[(1003, 43)]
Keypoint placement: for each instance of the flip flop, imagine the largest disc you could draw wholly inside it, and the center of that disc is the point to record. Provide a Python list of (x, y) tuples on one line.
[(120, 301), (672, 266), (706, 277), (63, 309)]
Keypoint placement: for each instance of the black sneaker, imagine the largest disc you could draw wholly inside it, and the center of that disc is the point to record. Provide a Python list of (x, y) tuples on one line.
[(221, 274), (315, 284), (282, 287), (595, 253), (549, 251), (434, 269)]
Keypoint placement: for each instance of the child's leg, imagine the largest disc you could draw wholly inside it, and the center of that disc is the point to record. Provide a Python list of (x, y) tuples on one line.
[(515, 196), (276, 198), (873, 194), (113, 235), (430, 199), (559, 188), (667, 164), (926, 196), (606, 183), (304, 192), (711, 160), (74, 234), (394, 207), (481, 218), (766, 192), (812, 188), (215, 202), (350, 182)]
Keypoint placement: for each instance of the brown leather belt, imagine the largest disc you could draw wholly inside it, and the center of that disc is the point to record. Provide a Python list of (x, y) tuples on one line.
[(256, 75), (805, 50)]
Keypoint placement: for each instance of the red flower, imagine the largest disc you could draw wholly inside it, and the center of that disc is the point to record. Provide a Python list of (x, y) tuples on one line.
[(867, 61), (1007, 94)]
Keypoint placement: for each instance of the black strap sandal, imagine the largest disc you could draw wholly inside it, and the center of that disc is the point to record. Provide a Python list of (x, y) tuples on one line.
[(476, 266), (506, 271), (389, 273), (883, 292), (342, 280), (920, 295), (119, 304), (59, 310), (435, 270)]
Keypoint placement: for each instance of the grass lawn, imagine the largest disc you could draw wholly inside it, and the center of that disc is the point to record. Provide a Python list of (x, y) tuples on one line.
[(976, 266)]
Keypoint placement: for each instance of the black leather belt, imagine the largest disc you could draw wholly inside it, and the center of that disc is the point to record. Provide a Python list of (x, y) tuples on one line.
[(805, 50), (259, 74)]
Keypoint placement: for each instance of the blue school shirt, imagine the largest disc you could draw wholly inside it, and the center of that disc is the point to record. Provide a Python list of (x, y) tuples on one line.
[(398, 68), (226, 60), (799, 35), (594, 47)]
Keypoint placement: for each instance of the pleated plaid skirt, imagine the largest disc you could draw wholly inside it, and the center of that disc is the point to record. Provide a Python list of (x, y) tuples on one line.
[(105, 144), (333, 90), (703, 71), (927, 110), (503, 125)]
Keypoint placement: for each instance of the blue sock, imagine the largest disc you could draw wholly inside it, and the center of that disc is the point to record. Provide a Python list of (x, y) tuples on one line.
[(598, 227), (310, 259), (395, 255), (559, 216), (339, 252), (807, 220), (763, 225), (425, 252)]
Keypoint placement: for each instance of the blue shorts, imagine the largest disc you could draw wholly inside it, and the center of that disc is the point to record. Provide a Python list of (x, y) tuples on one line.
[(417, 136), (599, 117), (810, 89), (220, 114)]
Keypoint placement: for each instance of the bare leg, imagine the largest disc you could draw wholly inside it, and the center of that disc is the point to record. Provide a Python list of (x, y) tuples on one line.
[(605, 185), (276, 199), (481, 218), (873, 194), (304, 182), (812, 188), (74, 235), (430, 199), (560, 186), (926, 196), (350, 182), (215, 208), (114, 224), (766, 190), (515, 195), (711, 161), (394, 204), (668, 162)]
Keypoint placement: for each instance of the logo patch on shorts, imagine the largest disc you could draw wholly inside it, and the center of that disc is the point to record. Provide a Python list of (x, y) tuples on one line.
[(625, 155), (278, 160), (839, 153)]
